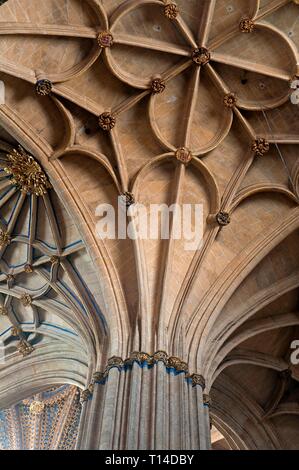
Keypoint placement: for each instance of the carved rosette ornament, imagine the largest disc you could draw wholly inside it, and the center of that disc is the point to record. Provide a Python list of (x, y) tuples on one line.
[(26, 173), (223, 218), (5, 238), (107, 121), (201, 56), (171, 11), (183, 155), (246, 25), (54, 260), (37, 407), (26, 300), (158, 85), (230, 100), (25, 348), (43, 87), (105, 39), (15, 331), (28, 268), (260, 147)]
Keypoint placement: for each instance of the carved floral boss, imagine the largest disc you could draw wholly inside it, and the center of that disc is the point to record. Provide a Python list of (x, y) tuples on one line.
[(201, 54)]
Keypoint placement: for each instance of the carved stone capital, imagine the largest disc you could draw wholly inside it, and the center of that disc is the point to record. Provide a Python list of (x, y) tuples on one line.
[(177, 364), (115, 361), (198, 379)]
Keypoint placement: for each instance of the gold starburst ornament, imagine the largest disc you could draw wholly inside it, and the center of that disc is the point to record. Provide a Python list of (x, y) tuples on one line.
[(26, 173)]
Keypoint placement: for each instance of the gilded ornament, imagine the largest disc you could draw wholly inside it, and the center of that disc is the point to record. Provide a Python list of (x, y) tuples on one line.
[(99, 376), (105, 39), (3, 310), (115, 361), (160, 356), (26, 173), (230, 100), (260, 147), (43, 87), (246, 25), (37, 407), (201, 56), (143, 357), (158, 85), (223, 218), (54, 260), (171, 11), (28, 268), (25, 348), (5, 238), (177, 364), (107, 121), (15, 331), (183, 155), (26, 300)]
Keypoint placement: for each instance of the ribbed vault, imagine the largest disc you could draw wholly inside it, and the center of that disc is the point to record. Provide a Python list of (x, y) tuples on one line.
[(191, 102)]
